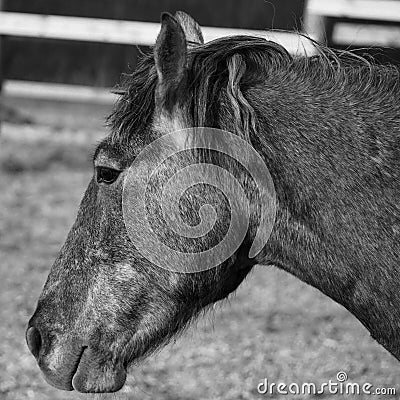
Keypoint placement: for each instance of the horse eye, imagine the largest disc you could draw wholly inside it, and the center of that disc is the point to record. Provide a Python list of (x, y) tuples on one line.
[(106, 175)]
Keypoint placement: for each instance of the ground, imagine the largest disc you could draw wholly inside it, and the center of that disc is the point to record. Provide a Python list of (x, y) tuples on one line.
[(274, 327)]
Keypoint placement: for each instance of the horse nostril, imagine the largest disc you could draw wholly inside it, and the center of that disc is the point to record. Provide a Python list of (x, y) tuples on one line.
[(34, 340)]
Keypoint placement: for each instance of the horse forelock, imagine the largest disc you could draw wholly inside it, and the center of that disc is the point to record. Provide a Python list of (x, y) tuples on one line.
[(135, 106)]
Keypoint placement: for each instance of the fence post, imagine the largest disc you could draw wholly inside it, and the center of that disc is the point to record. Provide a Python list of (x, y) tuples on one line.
[(319, 27)]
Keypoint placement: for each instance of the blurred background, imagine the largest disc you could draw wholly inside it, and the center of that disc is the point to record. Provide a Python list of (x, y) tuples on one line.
[(101, 64), (56, 76)]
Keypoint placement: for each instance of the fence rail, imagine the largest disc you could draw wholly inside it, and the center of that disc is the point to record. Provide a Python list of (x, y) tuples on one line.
[(122, 32), (58, 91), (381, 10)]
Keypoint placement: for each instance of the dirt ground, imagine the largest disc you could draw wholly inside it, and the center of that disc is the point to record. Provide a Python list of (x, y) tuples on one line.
[(274, 327)]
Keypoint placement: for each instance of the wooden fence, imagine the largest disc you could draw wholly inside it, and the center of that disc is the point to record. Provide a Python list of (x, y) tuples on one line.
[(320, 18), (108, 31)]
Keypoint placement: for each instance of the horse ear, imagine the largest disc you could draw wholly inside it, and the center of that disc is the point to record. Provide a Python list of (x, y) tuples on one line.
[(170, 55), (190, 27)]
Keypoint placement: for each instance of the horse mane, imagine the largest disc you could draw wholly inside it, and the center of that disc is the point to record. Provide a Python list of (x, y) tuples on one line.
[(220, 71)]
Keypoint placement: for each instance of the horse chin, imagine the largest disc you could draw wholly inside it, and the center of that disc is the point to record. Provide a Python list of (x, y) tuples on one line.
[(91, 377)]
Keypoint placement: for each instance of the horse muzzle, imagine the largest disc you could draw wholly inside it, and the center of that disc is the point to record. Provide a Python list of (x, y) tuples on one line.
[(68, 363)]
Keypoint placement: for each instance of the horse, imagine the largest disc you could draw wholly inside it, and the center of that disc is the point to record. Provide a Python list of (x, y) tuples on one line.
[(327, 126)]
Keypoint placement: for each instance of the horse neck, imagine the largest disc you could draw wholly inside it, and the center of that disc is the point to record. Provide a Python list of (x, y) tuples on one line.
[(336, 213)]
